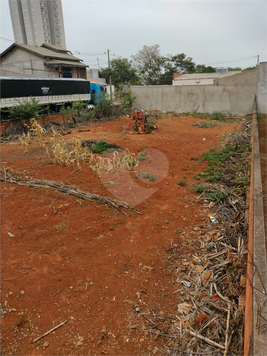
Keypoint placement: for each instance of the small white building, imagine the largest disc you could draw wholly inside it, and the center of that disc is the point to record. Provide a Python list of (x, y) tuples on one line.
[(201, 78)]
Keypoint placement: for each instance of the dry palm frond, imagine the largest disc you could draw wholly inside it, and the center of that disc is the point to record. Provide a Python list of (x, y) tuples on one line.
[(68, 189)]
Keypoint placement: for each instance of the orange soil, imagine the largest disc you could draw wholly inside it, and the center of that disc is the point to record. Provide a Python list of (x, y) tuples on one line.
[(79, 261)]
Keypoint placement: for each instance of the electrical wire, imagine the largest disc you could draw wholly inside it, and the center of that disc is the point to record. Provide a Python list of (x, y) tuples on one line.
[(239, 60)]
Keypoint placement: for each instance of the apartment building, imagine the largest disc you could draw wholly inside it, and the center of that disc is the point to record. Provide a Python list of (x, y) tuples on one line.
[(36, 22)]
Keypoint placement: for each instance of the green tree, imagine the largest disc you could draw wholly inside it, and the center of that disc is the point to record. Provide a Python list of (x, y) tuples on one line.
[(201, 68), (178, 63), (122, 72), (234, 69)]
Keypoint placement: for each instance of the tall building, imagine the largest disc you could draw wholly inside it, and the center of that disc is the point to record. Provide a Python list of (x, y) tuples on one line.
[(38, 21)]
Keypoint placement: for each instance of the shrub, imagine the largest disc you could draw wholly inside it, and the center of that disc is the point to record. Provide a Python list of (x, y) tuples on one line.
[(25, 110), (103, 107), (128, 99), (100, 147)]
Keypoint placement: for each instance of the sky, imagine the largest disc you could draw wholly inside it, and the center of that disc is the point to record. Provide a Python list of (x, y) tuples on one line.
[(228, 33)]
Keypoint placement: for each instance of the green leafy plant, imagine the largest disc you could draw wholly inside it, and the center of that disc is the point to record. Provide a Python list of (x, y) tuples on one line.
[(100, 147), (127, 99), (25, 110), (149, 176), (182, 182), (142, 155), (217, 197), (103, 107), (216, 115)]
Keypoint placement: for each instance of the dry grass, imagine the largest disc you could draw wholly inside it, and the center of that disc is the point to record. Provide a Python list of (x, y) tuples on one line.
[(72, 153)]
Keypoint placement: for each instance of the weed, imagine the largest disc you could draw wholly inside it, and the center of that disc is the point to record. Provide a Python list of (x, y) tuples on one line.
[(242, 181), (216, 115), (182, 182), (201, 189), (142, 155), (149, 177), (216, 197), (100, 147)]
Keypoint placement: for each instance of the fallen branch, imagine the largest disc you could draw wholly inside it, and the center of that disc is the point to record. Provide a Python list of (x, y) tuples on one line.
[(9, 279), (227, 330), (48, 332), (208, 341), (68, 189)]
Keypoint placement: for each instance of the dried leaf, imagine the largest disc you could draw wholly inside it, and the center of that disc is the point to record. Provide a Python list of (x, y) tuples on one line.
[(184, 308)]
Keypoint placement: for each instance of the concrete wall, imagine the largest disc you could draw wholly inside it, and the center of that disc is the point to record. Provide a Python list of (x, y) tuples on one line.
[(233, 94), (262, 89)]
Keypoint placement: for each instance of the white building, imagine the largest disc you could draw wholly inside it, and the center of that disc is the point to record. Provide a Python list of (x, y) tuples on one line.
[(201, 78), (38, 21)]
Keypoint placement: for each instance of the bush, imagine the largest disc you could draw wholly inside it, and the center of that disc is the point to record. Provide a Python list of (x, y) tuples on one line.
[(25, 110), (103, 107), (128, 99), (100, 147)]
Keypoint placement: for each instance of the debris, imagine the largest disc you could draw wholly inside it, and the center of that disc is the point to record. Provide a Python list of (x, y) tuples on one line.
[(155, 350), (212, 343), (213, 220), (48, 332), (10, 234), (42, 183), (186, 283), (45, 344), (79, 343), (184, 308)]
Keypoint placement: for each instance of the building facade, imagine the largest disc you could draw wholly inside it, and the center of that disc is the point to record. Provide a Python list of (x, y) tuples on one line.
[(46, 61), (38, 21)]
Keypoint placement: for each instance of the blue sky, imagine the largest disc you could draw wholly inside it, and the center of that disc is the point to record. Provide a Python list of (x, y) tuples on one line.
[(218, 33)]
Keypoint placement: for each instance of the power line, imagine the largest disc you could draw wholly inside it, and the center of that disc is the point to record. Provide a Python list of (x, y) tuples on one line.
[(239, 60), (91, 54)]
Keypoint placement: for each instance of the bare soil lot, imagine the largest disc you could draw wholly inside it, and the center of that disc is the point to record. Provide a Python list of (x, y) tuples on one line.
[(101, 271)]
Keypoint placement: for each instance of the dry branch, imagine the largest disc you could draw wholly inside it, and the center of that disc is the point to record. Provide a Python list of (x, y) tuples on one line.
[(48, 332), (68, 189), (210, 342)]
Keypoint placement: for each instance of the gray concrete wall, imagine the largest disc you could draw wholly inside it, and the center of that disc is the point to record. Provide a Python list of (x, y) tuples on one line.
[(262, 89), (234, 94)]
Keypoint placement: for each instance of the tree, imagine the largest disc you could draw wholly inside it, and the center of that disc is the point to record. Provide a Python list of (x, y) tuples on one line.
[(122, 72), (234, 69), (201, 68), (149, 64), (183, 64), (178, 63)]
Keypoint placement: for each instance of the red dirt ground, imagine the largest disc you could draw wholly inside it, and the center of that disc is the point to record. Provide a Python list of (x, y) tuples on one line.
[(69, 259)]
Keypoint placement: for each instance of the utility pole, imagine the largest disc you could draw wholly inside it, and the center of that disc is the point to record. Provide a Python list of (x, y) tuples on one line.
[(109, 72), (258, 60), (98, 63)]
